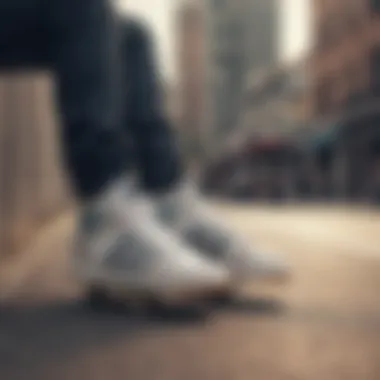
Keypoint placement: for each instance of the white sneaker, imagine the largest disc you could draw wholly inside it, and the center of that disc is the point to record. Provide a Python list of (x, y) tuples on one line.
[(120, 245), (185, 212)]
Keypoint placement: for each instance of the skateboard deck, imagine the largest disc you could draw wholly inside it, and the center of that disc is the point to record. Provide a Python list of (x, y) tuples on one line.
[(101, 297)]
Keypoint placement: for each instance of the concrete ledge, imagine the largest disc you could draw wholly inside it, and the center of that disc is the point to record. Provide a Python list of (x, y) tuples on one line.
[(50, 241)]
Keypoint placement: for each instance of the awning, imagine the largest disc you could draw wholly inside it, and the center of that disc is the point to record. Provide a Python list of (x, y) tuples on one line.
[(269, 145), (325, 139), (322, 138)]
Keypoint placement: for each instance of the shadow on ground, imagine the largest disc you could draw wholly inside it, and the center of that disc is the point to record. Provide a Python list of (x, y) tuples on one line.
[(39, 335)]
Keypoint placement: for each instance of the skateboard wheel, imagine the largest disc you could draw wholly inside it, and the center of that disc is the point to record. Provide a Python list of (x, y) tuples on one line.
[(102, 299), (222, 297), (98, 299)]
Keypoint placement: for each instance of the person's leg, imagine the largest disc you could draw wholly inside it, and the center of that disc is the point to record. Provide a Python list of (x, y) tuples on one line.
[(135, 250), (177, 204), (82, 44), (158, 157), (118, 240), (77, 40)]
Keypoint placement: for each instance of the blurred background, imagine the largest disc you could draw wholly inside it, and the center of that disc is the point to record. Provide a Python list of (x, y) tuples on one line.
[(282, 97), (276, 99), (273, 100), (276, 104)]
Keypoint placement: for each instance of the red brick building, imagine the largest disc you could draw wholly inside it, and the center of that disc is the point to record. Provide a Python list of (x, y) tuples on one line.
[(340, 61), (344, 70)]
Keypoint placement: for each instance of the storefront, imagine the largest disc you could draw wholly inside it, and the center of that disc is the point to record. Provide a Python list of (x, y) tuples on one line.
[(359, 149), (341, 160)]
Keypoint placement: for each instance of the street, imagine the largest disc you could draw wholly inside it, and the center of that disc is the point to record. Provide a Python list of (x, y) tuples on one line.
[(324, 325)]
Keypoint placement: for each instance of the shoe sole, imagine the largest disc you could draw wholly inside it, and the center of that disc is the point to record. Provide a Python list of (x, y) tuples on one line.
[(104, 294), (103, 297)]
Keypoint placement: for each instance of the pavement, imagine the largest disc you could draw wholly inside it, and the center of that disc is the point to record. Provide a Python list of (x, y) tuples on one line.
[(325, 324)]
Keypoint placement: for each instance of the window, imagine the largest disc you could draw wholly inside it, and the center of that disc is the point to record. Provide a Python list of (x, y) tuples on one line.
[(375, 71), (324, 96), (323, 36), (353, 21), (375, 5), (354, 99), (353, 76), (330, 31)]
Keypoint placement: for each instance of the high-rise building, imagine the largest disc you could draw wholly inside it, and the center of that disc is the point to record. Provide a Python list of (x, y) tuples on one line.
[(263, 23), (242, 39), (191, 66)]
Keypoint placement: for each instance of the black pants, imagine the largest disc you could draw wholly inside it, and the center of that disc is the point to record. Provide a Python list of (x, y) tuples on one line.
[(107, 88), (156, 149)]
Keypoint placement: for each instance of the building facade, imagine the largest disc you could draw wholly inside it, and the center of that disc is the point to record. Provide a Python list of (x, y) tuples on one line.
[(344, 71), (340, 61)]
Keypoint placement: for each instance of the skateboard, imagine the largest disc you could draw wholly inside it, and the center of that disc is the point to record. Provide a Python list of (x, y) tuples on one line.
[(100, 297)]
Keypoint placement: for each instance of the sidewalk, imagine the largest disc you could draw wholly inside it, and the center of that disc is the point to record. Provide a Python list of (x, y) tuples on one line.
[(350, 229), (324, 324)]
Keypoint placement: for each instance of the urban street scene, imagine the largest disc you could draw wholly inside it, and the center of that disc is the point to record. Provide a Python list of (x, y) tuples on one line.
[(190, 189)]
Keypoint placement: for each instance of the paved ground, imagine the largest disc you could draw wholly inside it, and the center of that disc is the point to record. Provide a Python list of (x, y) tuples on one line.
[(324, 325)]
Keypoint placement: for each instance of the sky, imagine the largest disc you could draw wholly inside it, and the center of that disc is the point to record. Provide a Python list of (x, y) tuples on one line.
[(295, 33), (294, 27)]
